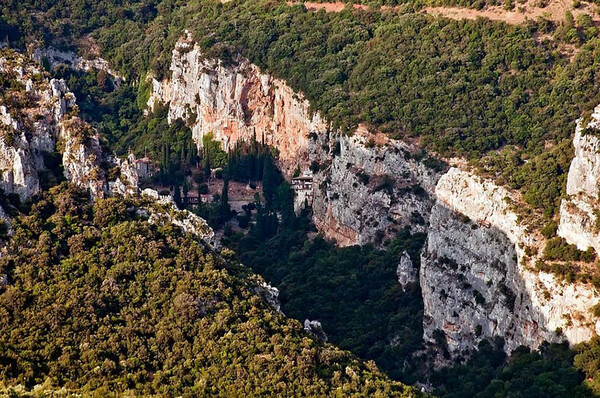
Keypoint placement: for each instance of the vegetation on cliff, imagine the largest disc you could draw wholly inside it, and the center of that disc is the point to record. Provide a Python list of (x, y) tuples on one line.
[(463, 87)]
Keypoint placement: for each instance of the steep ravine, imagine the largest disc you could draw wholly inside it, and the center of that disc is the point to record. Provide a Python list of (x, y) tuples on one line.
[(476, 280), (367, 187)]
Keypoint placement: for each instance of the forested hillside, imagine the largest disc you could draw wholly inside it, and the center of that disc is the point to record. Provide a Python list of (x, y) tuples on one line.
[(99, 301)]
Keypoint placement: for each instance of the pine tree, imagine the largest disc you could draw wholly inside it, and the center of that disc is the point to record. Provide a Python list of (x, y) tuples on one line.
[(206, 162), (206, 168), (270, 182)]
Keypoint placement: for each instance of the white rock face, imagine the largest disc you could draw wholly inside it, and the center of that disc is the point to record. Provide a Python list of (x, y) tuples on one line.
[(236, 102), (165, 211), (20, 153), (315, 328), (270, 294), (407, 273), (82, 155), (579, 213), (240, 102), (35, 128), (127, 182), (477, 283), (368, 187)]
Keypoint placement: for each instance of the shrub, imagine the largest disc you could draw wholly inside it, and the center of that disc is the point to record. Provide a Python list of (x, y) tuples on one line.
[(108, 212), (558, 249), (549, 230)]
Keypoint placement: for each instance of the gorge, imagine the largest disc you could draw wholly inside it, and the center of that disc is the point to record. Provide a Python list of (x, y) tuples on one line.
[(478, 275), (280, 198)]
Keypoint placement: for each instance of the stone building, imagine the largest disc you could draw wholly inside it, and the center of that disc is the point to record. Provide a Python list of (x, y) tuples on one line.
[(303, 191)]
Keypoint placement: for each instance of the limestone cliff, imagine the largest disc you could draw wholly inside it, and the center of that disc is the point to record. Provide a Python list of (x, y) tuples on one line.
[(477, 277), (366, 187), (580, 211), (36, 114), (237, 102)]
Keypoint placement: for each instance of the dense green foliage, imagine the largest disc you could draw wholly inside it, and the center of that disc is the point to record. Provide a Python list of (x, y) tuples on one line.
[(353, 291), (101, 301), (88, 309), (588, 360), (408, 74), (547, 373), (112, 110), (559, 249), (118, 115)]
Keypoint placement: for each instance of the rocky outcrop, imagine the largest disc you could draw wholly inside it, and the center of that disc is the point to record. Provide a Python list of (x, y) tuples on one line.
[(82, 156), (270, 294), (406, 271), (163, 210), (57, 57), (368, 187), (38, 117), (477, 280), (127, 181), (236, 102), (362, 193), (315, 328), (27, 116), (580, 211)]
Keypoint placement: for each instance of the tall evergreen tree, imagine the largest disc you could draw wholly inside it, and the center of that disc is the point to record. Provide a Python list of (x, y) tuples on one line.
[(185, 192), (271, 180), (177, 195), (224, 208)]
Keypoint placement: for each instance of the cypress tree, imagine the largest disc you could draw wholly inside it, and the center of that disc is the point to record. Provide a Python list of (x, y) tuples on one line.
[(177, 195), (224, 208), (185, 192)]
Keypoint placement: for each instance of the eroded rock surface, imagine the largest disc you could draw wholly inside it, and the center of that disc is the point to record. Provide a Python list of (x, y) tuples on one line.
[(164, 211), (36, 114), (237, 102), (580, 211), (369, 187), (478, 282), (407, 272)]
